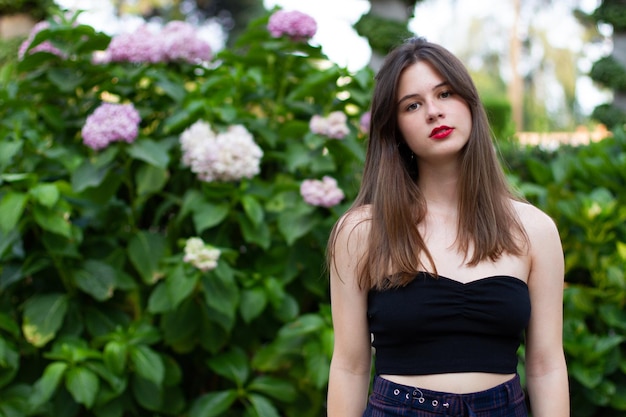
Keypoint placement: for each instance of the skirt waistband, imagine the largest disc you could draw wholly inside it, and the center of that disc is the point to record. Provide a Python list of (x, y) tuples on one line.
[(510, 392)]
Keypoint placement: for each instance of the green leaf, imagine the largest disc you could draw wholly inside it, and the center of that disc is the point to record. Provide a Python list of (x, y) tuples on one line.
[(151, 152), (9, 362), (277, 388), (83, 384), (232, 365), (65, 79), (206, 215), (175, 90), (306, 324), (297, 156), (150, 179), (148, 394), (253, 302), (221, 292), (181, 327), (295, 224), (313, 82), (259, 235), (8, 324), (45, 194), (541, 172), (618, 400), (213, 404), (317, 364), (115, 356), (96, 279), (621, 250), (147, 363), (8, 149), (88, 175), (145, 251), (14, 401), (588, 376), (11, 208), (143, 333), (262, 406), (53, 115), (172, 291), (53, 220), (43, 317), (253, 209), (214, 333), (47, 384), (177, 121)]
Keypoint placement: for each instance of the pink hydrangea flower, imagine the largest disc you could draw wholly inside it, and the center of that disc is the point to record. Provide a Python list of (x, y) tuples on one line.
[(294, 24), (45, 46), (225, 156), (364, 122), (181, 43), (177, 41), (142, 45), (334, 126), (111, 122), (324, 193)]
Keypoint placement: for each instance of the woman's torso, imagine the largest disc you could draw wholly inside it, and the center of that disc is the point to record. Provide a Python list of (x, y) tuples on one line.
[(440, 238)]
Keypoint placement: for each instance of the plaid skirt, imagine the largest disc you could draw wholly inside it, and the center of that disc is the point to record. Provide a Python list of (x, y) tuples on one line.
[(389, 399)]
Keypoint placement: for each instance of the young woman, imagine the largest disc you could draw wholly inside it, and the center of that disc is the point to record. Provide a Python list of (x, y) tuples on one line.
[(437, 266)]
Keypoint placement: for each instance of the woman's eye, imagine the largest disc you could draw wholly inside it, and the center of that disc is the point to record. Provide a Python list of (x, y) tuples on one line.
[(413, 106), (445, 94)]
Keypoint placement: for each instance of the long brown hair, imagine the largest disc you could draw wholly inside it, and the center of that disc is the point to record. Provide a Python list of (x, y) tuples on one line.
[(487, 223)]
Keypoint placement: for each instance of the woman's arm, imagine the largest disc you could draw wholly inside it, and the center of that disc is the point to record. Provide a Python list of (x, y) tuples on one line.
[(546, 370), (351, 363)]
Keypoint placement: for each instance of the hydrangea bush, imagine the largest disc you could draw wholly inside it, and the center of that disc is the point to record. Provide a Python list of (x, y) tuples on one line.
[(163, 222)]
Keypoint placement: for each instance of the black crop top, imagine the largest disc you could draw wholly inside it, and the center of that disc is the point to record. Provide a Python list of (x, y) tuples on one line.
[(438, 325)]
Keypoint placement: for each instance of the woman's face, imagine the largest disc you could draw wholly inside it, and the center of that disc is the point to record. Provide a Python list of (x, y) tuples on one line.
[(434, 121)]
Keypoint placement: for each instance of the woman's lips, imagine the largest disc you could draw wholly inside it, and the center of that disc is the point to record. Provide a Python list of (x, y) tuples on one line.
[(441, 132)]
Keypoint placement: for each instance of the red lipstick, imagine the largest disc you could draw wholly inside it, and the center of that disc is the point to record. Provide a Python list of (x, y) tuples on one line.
[(441, 132)]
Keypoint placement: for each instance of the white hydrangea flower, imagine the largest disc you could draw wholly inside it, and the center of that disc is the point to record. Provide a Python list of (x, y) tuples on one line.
[(200, 255), (226, 156)]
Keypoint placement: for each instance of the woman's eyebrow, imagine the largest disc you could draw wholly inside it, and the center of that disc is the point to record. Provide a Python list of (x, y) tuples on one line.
[(416, 95)]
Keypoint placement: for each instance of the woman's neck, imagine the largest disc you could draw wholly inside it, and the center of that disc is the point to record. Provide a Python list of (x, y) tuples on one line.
[(439, 185)]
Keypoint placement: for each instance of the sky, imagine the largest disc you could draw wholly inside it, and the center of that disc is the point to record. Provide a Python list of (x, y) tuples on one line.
[(442, 21)]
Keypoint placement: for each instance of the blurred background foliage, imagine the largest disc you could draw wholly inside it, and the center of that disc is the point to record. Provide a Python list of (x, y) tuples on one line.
[(100, 316)]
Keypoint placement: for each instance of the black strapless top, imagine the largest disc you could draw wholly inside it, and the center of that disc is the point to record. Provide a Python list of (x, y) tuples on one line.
[(439, 325)]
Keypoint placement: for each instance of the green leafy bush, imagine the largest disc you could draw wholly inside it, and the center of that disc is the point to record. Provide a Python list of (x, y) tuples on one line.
[(101, 311), (583, 190), (609, 115), (610, 73), (38, 9), (613, 13)]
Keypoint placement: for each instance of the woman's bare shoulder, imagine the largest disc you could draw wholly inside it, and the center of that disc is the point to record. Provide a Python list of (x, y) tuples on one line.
[(351, 232), (356, 217), (540, 228)]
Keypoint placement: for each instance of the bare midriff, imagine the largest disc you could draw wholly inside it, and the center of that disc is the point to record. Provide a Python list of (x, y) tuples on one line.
[(456, 383)]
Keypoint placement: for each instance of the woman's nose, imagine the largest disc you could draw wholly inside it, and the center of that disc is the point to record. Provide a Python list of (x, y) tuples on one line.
[(434, 112), (434, 115)]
